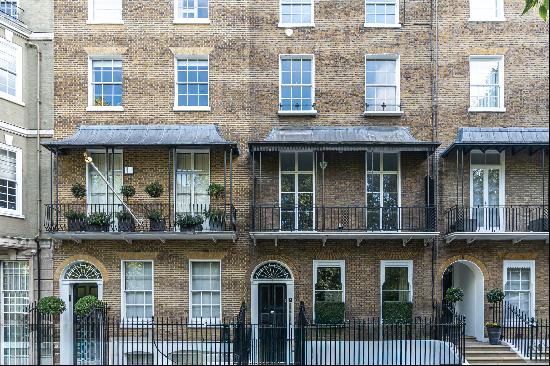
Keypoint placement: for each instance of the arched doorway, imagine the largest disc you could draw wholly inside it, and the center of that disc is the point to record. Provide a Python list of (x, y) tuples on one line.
[(469, 277), (78, 279), (272, 311)]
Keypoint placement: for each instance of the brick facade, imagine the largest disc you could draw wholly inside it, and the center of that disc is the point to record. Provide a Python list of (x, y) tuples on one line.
[(243, 43)]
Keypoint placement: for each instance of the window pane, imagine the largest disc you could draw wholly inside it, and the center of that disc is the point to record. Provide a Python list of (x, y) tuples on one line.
[(205, 287), (287, 161), (396, 278)]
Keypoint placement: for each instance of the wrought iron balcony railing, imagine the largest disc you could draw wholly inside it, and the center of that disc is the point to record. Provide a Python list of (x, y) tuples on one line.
[(270, 218), (521, 218), (150, 217), (10, 9)]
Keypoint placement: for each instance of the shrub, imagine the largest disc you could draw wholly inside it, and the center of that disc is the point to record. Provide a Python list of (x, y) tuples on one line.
[(154, 190), (216, 190), (51, 305), (75, 215), (128, 191), (86, 304), (215, 215), (492, 325), (495, 296), (78, 190), (189, 220), (154, 215), (98, 219), (330, 312), (124, 215), (454, 294), (397, 312)]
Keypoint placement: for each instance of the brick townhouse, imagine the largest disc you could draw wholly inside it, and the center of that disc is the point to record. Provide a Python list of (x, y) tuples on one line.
[(359, 152)]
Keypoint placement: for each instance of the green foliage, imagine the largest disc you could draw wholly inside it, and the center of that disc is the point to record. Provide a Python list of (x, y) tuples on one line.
[(98, 219), (75, 215), (454, 294), (78, 190), (124, 215), (101, 102), (328, 312), (215, 215), (541, 4), (216, 190), (188, 220), (51, 305), (154, 215), (86, 304), (492, 325), (154, 190), (495, 295), (397, 312), (128, 191)]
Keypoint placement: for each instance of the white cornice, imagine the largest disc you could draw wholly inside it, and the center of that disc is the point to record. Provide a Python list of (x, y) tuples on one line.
[(23, 31), (25, 132)]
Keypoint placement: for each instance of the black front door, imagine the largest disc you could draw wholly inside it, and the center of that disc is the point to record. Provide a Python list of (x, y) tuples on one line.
[(86, 344), (83, 289), (272, 310)]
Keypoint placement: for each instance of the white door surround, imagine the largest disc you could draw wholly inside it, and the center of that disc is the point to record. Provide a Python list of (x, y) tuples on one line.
[(469, 277), (78, 272), (272, 272)]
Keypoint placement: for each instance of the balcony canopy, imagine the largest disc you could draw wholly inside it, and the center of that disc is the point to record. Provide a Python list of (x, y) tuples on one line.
[(356, 138), (483, 138), (103, 136)]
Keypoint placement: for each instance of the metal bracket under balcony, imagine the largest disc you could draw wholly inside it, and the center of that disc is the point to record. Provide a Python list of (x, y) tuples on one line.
[(358, 237), (515, 237), (162, 236)]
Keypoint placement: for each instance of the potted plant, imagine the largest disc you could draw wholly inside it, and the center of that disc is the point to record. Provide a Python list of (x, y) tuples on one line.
[(189, 223), (494, 330), (98, 222), (156, 220), (454, 295), (75, 217), (85, 305), (216, 219), (154, 190), (126, 222), (51, 305), (215, 190)]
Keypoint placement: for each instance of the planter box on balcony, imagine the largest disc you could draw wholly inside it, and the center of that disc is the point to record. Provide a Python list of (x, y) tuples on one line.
[(126, 225), (157, 225), (216, 225), (75, 225), (97, 228)]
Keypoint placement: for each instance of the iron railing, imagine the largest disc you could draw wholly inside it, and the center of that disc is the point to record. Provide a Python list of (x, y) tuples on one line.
[(75, 217), (382, 107), (527, 334), (10, 9), (519, 218), (343, 218), (100, 339)]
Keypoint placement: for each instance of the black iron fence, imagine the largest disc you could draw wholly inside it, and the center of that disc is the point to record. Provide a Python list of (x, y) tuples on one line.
[(343, 218), (100, 339), (527, 334), (150, 217), (521, 218)]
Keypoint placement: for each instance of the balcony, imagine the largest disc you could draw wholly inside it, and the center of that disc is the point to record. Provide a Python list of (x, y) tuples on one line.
[(10, 9), (149, 222), (516, 223)]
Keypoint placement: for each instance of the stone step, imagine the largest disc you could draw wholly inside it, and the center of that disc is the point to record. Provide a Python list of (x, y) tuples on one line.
[(503, 353)]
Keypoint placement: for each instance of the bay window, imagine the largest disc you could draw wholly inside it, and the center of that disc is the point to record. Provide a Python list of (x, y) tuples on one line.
[(297, 191), (383, 191), (137, 285), (205, 290)]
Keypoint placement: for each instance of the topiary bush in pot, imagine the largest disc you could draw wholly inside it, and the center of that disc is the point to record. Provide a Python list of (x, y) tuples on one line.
[(156, 220), (495, 295), (76, 217), (51, 305), (85, 305), (454, 295), (154, 190)]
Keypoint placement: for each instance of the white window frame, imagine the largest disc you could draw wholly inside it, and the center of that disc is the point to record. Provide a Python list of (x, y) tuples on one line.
[(18, 212), (384, 57), (190, 294), (192, 152), (310, 112), (178, 20), (123, 291), (477, 17), (296, 172), (530, 264), (397, 23), (178, 108), (329, 263), (381, 173), (18, 50), (18, 16), (500, 59), (296, 25), (502, 184), (396, 263), (95, 108), (93, 20)]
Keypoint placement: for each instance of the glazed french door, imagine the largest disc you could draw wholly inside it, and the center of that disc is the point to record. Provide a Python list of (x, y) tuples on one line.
[(486, 192), (192, 180), (297, 191)]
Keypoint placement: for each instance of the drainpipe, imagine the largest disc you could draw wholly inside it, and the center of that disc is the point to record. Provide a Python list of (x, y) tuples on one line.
[(38, 167)]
